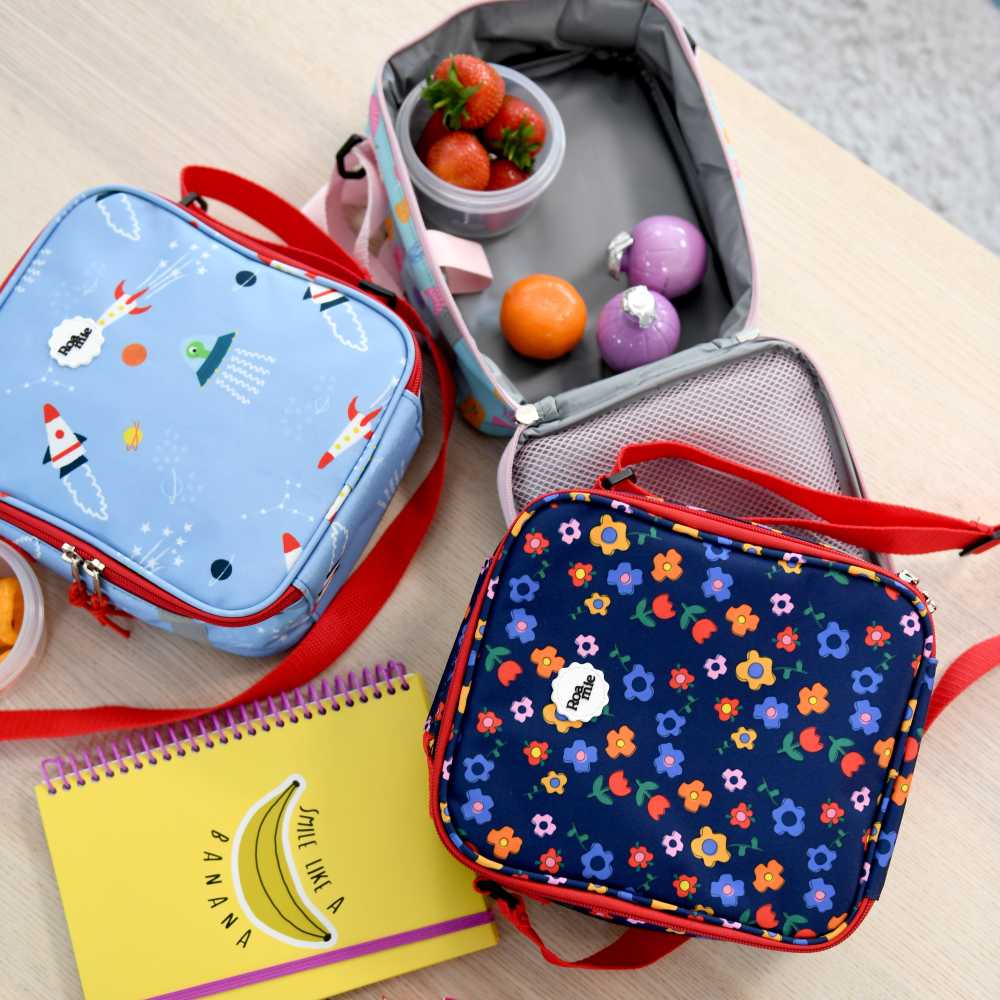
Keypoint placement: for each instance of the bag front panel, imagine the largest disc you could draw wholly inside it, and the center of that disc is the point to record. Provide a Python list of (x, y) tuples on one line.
[(219, 411), (750, 767)]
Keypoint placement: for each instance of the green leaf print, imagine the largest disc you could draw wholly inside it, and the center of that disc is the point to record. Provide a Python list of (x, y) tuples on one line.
[(600, 792), (643, 791), (495, 655), (793, 921), (790, 748), (642, 615), (690, 613), (838, 747)]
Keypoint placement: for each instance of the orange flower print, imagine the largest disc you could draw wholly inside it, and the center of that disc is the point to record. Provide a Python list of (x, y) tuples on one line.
[(504, 842), (621, 743), (535, 543), (488, 722), (742, 619), (695, 795), (741, 816), (581, 573), (901, 789), (877, 636), (667, 566), (768, 876), (686, 885), (884, 750), (727, 708), (787, 640), (813, 699), (550, 862), (681, 678), (830, 813), (639, 856), (536, 751), (546, 661)]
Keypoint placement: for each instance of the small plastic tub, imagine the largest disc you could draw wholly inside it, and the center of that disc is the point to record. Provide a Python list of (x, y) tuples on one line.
[(480, 214), (31, 636)]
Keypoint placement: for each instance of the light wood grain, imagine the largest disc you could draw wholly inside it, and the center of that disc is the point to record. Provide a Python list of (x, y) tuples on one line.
[(901, 310)]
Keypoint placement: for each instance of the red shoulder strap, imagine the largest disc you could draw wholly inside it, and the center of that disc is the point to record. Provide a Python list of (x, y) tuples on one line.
[(374, 578)]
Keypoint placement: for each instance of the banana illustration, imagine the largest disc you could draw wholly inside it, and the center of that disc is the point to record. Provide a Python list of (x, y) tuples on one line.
[(266, 881)]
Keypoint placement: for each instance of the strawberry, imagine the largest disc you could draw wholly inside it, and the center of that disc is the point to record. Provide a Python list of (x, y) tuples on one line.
[(460, 159), (467, 91), (434, 129), (517, 131), (503, 174)]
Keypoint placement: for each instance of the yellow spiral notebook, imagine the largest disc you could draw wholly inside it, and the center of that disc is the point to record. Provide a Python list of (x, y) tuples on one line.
[(283, 851)]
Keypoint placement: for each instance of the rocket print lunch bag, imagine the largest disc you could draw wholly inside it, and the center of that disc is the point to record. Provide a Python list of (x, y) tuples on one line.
[(688, 723), (203, 429)]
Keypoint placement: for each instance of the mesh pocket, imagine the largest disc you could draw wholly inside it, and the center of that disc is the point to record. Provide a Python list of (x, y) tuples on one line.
[(764, 409)]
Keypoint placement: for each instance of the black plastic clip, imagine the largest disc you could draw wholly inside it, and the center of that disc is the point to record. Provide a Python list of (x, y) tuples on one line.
[(391, 298), (496, 891), (358, 172), (979, 543), (613, 479), (192, 197)]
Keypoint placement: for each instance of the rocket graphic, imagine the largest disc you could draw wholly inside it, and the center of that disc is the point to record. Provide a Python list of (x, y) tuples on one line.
[(356, 429), (292, 549), (65, 450), (325, 298), (124, 305)]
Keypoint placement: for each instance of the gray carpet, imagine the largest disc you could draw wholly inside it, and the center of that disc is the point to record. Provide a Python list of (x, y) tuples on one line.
[(912, 87)]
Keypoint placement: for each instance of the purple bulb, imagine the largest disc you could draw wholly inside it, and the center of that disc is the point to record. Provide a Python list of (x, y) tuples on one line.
[(663, 252), (635, 327)]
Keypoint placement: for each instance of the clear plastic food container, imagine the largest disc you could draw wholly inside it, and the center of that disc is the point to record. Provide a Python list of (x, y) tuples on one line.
[(31, 636), (481, 214)]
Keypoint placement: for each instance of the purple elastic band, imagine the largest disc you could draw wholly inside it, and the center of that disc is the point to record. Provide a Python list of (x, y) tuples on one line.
[(327, 958)]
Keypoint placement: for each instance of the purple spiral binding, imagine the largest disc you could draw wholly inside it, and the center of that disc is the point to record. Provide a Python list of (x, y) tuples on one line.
[(148, 748)]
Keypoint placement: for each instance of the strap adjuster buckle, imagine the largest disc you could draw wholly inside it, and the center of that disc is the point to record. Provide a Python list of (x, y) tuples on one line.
[(192, 197), (973, 547), (358, 172), (614, 478)]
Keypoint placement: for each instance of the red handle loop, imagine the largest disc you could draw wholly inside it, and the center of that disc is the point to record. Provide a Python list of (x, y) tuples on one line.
[(635, 949), (879, 527)]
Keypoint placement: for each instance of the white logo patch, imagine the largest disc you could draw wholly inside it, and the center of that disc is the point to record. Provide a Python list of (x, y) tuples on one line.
[(580, 692), (75, 342)]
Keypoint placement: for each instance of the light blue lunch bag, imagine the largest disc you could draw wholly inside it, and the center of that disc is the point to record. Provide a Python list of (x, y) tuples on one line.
[(203, 429)]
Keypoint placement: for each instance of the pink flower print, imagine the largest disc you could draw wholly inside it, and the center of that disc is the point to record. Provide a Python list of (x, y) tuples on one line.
[(543, 825), (867, 872), (673, 843), (910, 623), (733, 780), (715, 667), (555, 879), (569, 531), (435, 299), (586, 645), (446, 768), (621, 505), (522, 710), (374, 113), (782, 604), (491, 588), (860, 798)]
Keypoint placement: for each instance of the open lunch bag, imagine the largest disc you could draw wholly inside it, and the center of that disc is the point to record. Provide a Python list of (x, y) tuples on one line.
[(655, 712), (205, 428)]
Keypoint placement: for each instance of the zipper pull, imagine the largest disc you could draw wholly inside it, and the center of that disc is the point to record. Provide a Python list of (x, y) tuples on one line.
[(914, 581), (100, 607), (77, 590)]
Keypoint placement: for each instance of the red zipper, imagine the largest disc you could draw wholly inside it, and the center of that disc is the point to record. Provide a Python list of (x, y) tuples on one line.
[(132, 582), (616, 907)]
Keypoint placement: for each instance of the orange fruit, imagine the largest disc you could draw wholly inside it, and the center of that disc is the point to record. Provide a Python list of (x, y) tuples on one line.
[(543, 316)]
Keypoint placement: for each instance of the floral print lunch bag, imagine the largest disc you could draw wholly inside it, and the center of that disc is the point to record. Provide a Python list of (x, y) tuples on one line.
[(688, 723)]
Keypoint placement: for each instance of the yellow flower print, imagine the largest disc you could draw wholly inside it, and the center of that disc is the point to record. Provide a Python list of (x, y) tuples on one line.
[(522, 520), (554, 782), (598, 604), (791, 562), (861, 571), (480, 628), (667, 566), (710, 847), (744, 738), (609, 535), (753, 550), (683, 529), (562, 725), (911, 707), (755, 671), (402, 209)]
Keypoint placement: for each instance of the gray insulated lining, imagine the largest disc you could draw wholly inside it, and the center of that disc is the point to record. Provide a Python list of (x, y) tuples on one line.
[(640, 141)]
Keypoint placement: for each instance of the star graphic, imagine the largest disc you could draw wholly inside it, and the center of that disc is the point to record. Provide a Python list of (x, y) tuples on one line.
[(194, 246), (172, 245), (178, 561), (201, 270), (180, 541), (163, 263), (188, 526), (146, 527), (167, 532), (136, 550)]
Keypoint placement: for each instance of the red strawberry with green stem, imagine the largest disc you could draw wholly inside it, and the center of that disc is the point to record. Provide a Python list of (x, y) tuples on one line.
[(434, 129), (517, 132), (503, 174), (467, 91), (460, 159)]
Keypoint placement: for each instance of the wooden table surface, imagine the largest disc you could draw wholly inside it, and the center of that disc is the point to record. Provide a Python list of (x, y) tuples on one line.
[(900, 309)]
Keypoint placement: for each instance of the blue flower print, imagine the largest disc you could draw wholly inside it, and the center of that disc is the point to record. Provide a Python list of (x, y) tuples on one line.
[(523, 588), (789, 819), (820, 859), (883, 848), (717, 584), (521, 626), (668, 760), (478, 768), (771, 712), (819, 896), (865, 718), (712, 554), (865, 681), (833, 641), (638, 683), (625, 578), (597, 863), (727, 890), (477, 806), (581, 755), (669, 723)]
